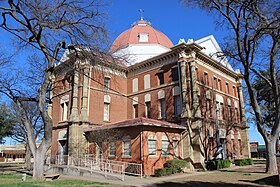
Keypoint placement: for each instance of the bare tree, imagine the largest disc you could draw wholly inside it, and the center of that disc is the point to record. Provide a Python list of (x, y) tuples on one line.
[(46, 26), (253, 44), (19, 132)]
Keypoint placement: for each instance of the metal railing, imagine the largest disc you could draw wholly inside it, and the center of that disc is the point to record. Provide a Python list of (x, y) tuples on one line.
[(92, 163)]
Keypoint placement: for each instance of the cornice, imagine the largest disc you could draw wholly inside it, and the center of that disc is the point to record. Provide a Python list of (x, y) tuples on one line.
[(205, 58)]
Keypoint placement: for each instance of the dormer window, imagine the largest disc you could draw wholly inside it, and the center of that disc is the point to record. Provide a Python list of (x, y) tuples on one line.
[(143, 37)]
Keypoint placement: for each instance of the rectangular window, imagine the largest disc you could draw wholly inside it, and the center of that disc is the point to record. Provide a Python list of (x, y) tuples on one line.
[(112, 148), (215, 82), (175, 148), (152, 145), (147, 81), (230, 112), (160, 78), (107, 83), (135, 85), (143, 37), (148, 109), (106, 116), (227, 88), (234, 91), (127, 147), (219, 85), (64, 107), (205, 78), (162, 113), (165, 146), (219, 110), (208, 107), (177, 105), (135, 111), (236, 115), (175, 74)]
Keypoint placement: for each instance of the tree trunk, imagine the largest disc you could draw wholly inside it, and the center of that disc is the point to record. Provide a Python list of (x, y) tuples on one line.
[(271, 164), (28, 156), (38, 168)]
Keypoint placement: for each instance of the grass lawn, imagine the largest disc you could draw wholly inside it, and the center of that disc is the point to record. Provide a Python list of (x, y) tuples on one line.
[(14, 179)]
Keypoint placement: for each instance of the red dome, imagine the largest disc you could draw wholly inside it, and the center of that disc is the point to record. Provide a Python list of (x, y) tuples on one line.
[(131, 36)]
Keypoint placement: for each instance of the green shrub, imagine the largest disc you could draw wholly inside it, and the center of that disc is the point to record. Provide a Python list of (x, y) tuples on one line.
[(249, 161), (176, 164), (174, 170), (211, 165), (243, 162), (168, 171), (217, 164), (160, 172)]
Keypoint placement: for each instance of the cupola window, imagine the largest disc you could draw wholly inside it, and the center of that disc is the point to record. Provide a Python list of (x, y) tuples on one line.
[(143, 37)]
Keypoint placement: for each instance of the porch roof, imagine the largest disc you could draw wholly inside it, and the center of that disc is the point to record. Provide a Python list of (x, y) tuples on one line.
[(135, 122)]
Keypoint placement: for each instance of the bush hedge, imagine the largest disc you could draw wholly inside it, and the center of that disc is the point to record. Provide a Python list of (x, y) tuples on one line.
[(243, 162), (160, 172), (171, 167), (217, 164), (176, 165)]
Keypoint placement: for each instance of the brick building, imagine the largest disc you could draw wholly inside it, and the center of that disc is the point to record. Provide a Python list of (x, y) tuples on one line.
[(183, 98)]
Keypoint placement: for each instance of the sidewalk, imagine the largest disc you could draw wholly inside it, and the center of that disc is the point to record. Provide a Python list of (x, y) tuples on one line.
[(233, 176), (137, 181)]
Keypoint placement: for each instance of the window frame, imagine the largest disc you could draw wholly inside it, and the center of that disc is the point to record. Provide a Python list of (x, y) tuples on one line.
[(148, 109), (153, 146), (175, 73), (205, 78), (135, 111), (177, 105), (175, 148), (126, 140), (64, 113), (165, 150), (107, 81), (114, 149), (160, 76), (106, 109), (162, 108)]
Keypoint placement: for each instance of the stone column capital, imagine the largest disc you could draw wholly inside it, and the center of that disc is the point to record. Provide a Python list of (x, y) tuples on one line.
[(183, 56)]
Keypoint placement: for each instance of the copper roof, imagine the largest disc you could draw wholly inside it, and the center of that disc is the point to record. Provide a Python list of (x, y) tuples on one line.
[(135, 122), (131, 35)]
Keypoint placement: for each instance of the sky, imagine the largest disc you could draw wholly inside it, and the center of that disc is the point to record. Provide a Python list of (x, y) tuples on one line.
[(169, 17), (173, 19)]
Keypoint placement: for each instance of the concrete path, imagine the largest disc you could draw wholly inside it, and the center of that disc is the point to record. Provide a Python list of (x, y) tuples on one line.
[(235, 176)]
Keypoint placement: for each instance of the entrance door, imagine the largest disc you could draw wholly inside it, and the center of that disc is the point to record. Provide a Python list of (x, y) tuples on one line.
[(63, 151)]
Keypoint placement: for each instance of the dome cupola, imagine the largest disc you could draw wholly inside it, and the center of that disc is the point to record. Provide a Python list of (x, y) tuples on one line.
[(140, 42)]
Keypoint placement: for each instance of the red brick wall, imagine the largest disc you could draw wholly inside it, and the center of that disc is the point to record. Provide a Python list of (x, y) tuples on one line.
[(150, 163)]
